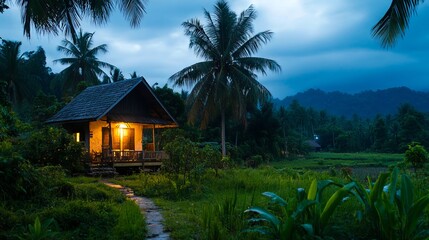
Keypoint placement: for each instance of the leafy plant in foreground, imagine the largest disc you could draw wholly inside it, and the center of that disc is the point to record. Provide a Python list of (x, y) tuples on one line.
[(40, 230), (308, 216), (392, 212)]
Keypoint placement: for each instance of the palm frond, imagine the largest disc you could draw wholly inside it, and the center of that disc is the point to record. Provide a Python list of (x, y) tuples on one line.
[(243, 29), (259, 64), (395, 21), (253, 44), (199, 40), (99, 11), (192, 74), (133, 10)]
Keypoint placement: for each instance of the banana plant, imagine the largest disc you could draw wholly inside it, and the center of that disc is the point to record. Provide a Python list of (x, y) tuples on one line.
[(391, 211), (309, 215), (318, 215), (282, 224)]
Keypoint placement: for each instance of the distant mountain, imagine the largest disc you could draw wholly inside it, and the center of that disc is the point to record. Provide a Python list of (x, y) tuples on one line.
[(365, 104)]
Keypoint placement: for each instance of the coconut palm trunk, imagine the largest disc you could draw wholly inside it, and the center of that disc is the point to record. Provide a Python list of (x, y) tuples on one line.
[(223, 136)]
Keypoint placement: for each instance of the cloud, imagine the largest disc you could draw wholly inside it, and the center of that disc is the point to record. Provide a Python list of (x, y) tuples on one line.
[(319, 44)]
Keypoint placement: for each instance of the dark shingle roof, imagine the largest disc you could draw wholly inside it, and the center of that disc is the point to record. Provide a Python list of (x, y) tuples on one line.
[(95, 102)]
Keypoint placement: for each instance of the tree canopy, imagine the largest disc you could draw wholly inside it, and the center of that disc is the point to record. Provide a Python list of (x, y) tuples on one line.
[(55, 16), (226, 81)]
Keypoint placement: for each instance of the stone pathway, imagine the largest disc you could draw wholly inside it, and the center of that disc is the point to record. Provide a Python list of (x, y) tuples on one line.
[(154, 219)]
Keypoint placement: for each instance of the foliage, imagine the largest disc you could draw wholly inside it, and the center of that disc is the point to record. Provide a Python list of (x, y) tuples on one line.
[(18, 178), (62, 16), (225, 82), (395, 21), (309, 215), (22, 74), (97, 192), (11, 62), (84, 219), (416, 155), (40, 231), (131, 223), (43, 107), (391, 211), (82, 61), (8, 123), (53, 146), (189, 160), (172, 101)]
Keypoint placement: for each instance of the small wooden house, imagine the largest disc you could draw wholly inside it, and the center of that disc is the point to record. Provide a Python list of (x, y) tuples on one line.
[(117, 122)]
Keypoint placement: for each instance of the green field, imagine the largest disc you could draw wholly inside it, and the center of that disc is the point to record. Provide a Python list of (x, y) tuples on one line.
[(321, 160)]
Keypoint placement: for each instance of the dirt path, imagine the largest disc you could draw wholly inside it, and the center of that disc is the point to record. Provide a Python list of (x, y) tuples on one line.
[(154, 219)]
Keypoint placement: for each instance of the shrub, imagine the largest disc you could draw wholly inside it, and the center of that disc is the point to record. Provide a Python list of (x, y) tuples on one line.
[(416, 155), (83, 220), (54, 146), (8, 220), (40, 230), (18, 178)]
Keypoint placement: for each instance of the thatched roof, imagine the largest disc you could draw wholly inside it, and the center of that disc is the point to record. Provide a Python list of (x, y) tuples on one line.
[(129, 100)]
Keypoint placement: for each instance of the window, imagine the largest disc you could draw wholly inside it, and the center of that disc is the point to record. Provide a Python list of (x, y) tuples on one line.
[(76, 136), (122, 138)]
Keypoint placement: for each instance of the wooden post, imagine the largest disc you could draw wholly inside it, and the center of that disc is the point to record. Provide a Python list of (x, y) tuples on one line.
[(153, 138), (110, 142)]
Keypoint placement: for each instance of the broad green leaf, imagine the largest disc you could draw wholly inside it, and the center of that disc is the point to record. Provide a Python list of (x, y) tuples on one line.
[(392, 186), (334, 201), (413, 216), (322, 185), (301, 207), (308, 228), (386, 216), (275, 198), (270, 218), (312, 191), (377, 189), (407, 194)]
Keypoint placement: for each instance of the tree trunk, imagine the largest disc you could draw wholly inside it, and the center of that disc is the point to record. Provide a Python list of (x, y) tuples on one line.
[(223, 133)]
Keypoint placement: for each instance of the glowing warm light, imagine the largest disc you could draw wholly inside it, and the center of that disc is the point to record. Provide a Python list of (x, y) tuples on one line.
[(77, 136), (122, 125)]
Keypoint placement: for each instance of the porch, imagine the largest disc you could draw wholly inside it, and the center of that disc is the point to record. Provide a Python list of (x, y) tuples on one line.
[(129, 158)]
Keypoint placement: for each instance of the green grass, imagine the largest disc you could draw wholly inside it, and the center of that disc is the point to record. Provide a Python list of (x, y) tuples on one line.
[(215, 206), (212, 208), (81, 208)]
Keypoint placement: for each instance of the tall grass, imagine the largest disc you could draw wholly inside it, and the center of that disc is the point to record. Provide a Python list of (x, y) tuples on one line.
[(213, 208), (131, 223)]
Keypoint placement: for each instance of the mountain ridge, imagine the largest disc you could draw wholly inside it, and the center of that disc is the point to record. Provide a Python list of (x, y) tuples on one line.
[(366, 104)]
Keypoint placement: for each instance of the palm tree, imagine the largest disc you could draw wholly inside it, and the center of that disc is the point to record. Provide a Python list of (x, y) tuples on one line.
[(115, 76), (84, 66), (225, 81), (395, 21), (54, 16), (11, 62)]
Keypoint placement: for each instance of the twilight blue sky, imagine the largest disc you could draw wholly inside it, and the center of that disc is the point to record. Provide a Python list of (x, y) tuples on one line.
[(319, 44)]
